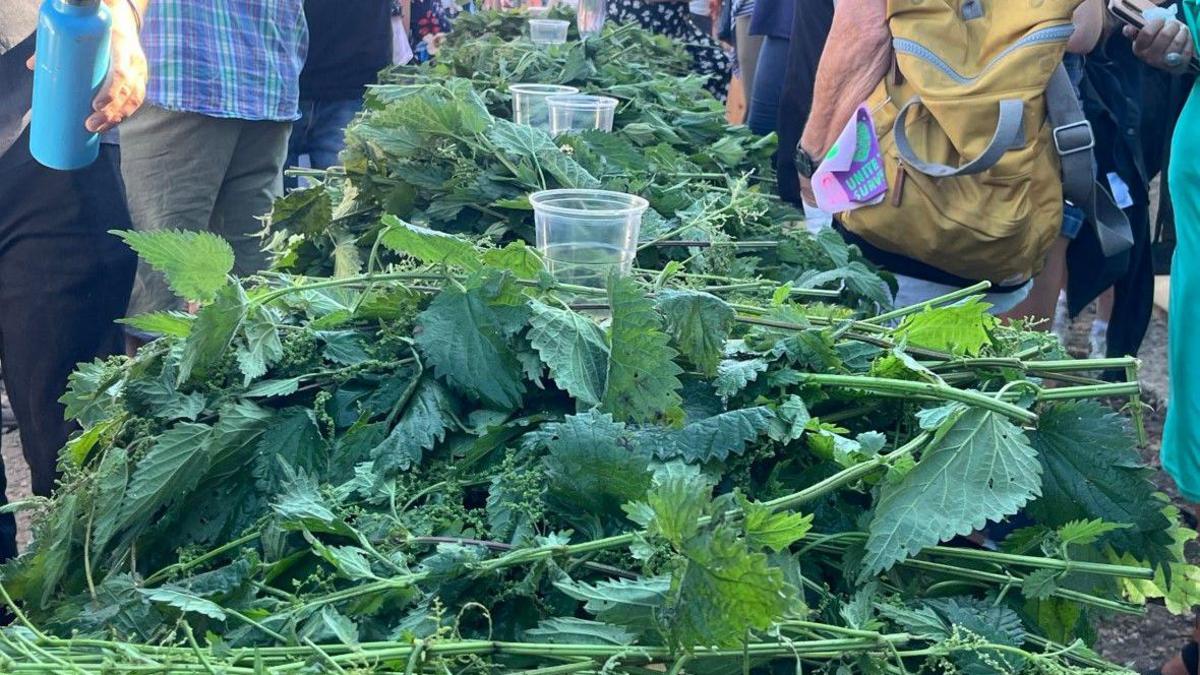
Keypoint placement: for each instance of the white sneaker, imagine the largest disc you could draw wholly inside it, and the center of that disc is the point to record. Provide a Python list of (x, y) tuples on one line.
[(1061, 326)]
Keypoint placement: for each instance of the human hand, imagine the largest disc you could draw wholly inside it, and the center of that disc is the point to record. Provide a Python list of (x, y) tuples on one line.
[(1161, 42), (124, 88)]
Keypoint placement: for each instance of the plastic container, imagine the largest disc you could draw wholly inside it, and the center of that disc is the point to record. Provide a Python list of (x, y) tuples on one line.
[(537, 12), (573, 4), (587, 235), (72, 61), (529, 102), (580, 112), (589, 17), (548, 31)]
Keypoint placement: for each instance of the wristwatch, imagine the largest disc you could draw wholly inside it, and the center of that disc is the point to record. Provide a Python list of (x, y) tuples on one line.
[(806, 166)]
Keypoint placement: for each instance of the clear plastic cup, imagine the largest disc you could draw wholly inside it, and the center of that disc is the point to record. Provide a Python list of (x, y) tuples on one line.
[(548, 31), (590, 16), (580, 112), (529, 102), (587, 235), (537, 12)]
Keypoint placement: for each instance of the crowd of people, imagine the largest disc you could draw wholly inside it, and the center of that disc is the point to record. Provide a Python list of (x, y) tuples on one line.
[(207, 103)]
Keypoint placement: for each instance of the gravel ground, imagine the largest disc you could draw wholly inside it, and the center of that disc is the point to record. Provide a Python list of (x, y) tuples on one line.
[(1139, 643)]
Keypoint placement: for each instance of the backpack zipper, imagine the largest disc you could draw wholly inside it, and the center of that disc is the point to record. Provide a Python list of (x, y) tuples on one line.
[(1041, 36)]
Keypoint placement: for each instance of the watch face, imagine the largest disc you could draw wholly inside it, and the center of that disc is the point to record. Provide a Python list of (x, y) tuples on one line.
[(804, 163)]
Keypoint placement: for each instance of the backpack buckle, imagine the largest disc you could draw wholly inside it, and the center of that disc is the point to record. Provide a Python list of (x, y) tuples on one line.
[(1073, 138)]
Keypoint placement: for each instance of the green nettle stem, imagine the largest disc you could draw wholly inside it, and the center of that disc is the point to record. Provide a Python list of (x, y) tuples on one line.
[(905, 388)]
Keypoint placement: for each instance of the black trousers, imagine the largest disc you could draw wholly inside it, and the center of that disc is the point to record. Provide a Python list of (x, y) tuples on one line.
[(64, 281)]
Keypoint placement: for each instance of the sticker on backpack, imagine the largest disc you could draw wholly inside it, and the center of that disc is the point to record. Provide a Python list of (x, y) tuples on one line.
[(852, 174)]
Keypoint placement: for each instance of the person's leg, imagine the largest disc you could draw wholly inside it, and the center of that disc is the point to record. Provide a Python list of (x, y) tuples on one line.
[(327, 135), (64, 281), (748, 47), (252, 182), (299, 141), (768, 85), (1098, 338), (1043, 296), (173, 164)]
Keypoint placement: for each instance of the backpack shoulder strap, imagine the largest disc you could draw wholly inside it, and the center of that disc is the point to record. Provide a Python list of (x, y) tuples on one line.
[(1074, 141)]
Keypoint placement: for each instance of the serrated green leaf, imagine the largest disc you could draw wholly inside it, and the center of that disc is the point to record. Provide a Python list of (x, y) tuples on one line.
[(714, 438), (983, 469), (996, 624), (791, 420), (1040, 584), (677, 499), (516, 257), (590, 468), (643, 382), (428, 246), (113, 477), (699, 323), (292, 436), (1085, 532), (777, 531), (274, 388), (1092, 471), (724, 590), (632, 603), (462, 338), (344, 347), (195, 264), (184, 601), (158, 397), (260, 347), (423, 424), (213, 332), (734, 376), (171, 467), (174, 324), (570, 630), (964, 328), (330, 625), (575, 350), (304, 211)]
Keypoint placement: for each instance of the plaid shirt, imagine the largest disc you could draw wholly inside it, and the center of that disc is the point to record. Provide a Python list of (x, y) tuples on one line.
[(226, 58)]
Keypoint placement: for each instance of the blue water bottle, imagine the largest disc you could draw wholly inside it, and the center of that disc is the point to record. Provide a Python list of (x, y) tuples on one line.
[(72, 62)]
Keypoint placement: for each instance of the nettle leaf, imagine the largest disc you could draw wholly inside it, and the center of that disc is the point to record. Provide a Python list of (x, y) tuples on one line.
[(159, 397), (590, 466), (516, 257), (995, 624), (330, 625), (632, 603), (422, 425), (773, 530), (722, 590), (575, 349), (305, 211), (679, 496), (1093, 471), (961, 329), (463, 338), (171, 467), (643, 379), (699, 323), (183, 601), (428, 246), (344, 347), (734, 376), (983, 469), (260, 346), (294, 437), (213, 332), (110, 492), (171, 323), (570, 630), (195, 264), (714, 438)]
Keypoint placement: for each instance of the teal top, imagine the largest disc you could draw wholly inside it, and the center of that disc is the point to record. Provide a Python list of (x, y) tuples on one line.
[(1181, 437)]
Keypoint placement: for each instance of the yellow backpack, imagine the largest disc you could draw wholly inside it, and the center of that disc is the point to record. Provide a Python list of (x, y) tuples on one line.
[(974, 123)]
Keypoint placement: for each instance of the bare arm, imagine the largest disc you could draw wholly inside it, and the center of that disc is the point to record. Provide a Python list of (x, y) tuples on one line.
[(857, 56), (125, 88), (1089, 25)]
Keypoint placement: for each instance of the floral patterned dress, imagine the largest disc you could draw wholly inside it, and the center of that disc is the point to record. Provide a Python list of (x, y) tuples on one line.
[(429, 18), (673, 19)]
